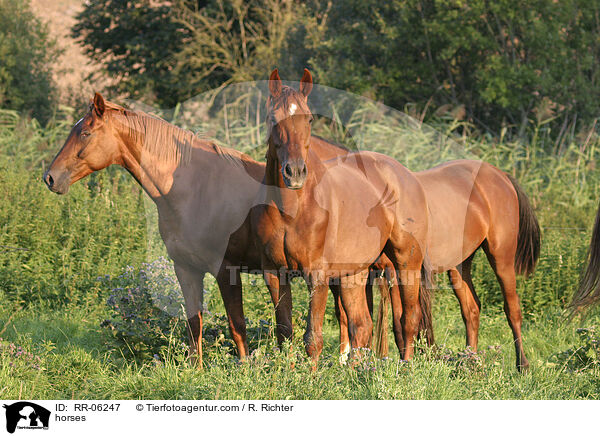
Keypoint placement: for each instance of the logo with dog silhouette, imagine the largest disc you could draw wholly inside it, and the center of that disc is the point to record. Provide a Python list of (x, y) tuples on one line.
[(26, 415)]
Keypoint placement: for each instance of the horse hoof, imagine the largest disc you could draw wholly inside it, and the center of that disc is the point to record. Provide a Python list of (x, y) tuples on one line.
[(523, 367)]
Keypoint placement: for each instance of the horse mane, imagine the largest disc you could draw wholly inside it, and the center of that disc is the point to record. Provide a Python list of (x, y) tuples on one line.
[(233, 156), (158, 137)]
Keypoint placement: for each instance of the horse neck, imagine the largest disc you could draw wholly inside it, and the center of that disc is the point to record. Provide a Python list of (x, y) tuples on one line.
[(206, 165), (327, 150), (154, 178), (153, 173)]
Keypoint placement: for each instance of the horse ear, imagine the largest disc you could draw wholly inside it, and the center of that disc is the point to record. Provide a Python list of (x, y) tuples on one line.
[(99, 106), (306, 83), (275, 83)]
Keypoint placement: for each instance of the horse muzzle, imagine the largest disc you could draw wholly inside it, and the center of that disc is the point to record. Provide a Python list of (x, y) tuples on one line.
[(57, 182), (294, 173)]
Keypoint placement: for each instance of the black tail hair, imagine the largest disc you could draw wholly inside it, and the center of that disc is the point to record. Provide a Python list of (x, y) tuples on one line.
[(588, 292), (528, 239)]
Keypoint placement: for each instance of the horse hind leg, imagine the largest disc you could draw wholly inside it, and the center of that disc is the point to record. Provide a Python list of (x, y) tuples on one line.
[(502, 262), (470, 306), (380, 328), (394, 291), (408, 283), (342, 318), (354, 301)]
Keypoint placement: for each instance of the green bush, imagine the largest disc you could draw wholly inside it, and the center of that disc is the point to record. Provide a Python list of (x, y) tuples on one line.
[(27, 56), (583, 356), (146, 308)]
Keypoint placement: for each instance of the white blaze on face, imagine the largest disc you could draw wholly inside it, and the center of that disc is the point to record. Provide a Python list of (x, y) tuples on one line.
[(293, 108)]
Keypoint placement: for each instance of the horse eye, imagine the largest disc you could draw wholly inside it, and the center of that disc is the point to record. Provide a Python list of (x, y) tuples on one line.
[(85, 134), (310, 120)]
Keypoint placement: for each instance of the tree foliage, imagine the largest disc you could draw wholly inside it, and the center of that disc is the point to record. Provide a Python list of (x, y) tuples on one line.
[(165, 52), (136, 42), (27, 55), (504, 63), (235, 40)]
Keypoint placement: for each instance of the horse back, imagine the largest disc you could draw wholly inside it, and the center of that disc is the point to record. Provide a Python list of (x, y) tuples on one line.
[(469, 201)]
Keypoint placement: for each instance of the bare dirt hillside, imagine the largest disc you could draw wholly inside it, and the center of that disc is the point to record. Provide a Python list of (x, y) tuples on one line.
[(73, 66)]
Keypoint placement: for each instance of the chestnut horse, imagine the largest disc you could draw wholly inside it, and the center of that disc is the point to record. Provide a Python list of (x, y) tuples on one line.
[(329, 220), (203, 194), (495, 214), (473, 204), (488, 209)]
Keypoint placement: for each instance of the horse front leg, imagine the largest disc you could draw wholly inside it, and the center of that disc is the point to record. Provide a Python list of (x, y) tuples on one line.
[(230, 285), (192, 286), (279, 286), (313, 337)]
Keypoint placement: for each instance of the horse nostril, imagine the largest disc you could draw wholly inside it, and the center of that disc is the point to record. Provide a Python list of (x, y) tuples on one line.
[(287, 170), (304, 170), (49, 180)]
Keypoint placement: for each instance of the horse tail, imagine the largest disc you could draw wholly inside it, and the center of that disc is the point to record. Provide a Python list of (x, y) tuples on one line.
[(589, 284), (380, 329), (528, 239), (425, 297)]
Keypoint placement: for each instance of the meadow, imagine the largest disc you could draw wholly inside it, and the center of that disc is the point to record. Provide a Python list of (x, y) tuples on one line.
[(62, 259)]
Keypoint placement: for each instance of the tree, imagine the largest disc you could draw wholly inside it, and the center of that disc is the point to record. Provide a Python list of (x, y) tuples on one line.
[(166, 52), (235, 41), (27, 55), (502, 60), (136, 42)]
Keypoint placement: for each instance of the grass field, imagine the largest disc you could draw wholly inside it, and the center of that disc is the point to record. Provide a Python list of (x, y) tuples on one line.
[(72, 357), (53, 345)]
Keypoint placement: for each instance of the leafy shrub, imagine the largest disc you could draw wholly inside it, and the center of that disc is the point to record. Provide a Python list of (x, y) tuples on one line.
[(27, 56), (584, 356), (147, 314), (146, 308)]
